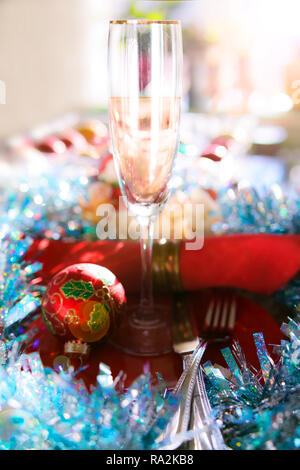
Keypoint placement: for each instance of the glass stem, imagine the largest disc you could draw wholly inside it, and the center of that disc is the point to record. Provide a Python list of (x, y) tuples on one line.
[(146, 242)]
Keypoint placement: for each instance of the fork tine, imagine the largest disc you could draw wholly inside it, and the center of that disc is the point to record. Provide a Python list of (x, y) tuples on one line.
[(209, 314), (232, 316), (224, 315), (216, 315)]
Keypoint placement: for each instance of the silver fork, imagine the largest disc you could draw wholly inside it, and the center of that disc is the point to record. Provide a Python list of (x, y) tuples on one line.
[(194, 410), (219, 320)]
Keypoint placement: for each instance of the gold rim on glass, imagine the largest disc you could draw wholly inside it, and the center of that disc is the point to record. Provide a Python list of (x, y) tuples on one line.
[(144, 22)]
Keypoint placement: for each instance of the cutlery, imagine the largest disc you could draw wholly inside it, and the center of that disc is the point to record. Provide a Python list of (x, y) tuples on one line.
[(194, 410)]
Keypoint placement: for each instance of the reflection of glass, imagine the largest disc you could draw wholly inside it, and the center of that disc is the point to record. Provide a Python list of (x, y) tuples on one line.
[(145, 70)]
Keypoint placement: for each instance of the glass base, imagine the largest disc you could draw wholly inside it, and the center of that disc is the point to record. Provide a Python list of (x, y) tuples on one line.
[(147, 337)]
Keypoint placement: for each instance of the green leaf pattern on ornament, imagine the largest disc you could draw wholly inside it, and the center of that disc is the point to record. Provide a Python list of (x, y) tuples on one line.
[(98, 317), (78, 289)]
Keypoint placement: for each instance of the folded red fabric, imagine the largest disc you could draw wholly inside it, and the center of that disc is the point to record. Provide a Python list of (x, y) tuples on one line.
[(255, 262)]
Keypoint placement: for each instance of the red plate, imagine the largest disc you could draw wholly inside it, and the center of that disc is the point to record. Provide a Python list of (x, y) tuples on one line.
[(251, 318)]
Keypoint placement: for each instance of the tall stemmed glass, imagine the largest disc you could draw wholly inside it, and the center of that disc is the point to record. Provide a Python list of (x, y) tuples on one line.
[(145, 76)]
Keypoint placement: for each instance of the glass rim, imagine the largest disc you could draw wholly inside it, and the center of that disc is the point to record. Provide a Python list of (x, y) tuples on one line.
[(140, 21)]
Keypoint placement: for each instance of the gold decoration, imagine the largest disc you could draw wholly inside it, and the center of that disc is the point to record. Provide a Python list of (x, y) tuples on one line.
[(72, 317), (165, 267)]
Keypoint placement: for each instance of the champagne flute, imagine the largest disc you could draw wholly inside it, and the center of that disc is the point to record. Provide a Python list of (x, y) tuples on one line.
[(145, 76)]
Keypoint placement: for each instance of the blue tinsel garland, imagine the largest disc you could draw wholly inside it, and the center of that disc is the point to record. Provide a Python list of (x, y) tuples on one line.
[(259, 410), (48, 206), (41, 409), (18, 297), (244, 210)]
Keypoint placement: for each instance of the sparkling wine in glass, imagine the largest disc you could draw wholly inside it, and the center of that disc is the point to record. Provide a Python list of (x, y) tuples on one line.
[(145, 76)]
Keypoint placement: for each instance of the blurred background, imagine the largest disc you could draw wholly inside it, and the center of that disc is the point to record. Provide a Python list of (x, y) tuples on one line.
[(241, 106), (240, 56)]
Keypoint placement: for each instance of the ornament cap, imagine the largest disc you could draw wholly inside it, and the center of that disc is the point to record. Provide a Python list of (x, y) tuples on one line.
[(77, 348)]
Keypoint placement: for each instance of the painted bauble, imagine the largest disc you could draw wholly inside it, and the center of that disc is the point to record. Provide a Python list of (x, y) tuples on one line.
[(83, 301)]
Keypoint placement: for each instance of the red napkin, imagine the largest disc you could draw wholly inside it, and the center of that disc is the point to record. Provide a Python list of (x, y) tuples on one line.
[(259, 263)]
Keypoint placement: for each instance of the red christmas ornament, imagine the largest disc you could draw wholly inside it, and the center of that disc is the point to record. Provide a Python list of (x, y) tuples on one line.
[(83, 301)]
